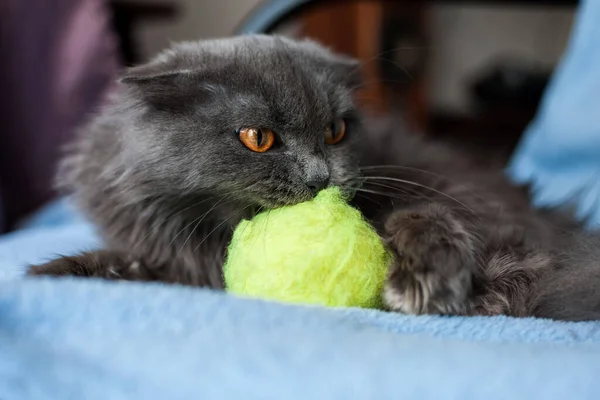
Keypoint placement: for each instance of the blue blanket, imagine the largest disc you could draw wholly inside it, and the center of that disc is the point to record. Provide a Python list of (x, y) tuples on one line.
[(559, 155), (88, 339)]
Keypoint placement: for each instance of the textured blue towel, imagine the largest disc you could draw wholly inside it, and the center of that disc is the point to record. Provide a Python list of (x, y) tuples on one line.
[(88, 339), (93, 340)]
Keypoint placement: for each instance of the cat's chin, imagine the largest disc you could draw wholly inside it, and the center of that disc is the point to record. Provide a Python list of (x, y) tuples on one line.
[(272, 203)]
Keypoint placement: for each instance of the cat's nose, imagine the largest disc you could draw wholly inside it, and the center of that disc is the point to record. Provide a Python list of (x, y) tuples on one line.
[(316, 185), (316, 174)]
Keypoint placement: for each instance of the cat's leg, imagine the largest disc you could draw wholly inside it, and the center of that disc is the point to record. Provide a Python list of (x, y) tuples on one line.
[(440, 268), (508, 280), (561, 285), (106, 264), (434, 263)]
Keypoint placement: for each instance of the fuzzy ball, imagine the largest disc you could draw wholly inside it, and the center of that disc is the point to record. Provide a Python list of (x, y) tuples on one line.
[(318, 252)]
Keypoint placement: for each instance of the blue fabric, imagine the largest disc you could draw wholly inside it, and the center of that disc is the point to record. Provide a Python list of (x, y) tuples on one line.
[(94, 340), (56, 230), (560, 153), (88, 339)]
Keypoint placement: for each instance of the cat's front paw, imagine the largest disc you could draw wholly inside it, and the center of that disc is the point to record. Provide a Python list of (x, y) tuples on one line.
[(100, 264), (433, 262)]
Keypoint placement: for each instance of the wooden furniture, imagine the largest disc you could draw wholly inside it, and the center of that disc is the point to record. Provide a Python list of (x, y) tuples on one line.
[(351, 28), (355, 28)]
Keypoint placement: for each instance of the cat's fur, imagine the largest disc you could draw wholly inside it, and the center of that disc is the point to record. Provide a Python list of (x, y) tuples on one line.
[(162, 173)]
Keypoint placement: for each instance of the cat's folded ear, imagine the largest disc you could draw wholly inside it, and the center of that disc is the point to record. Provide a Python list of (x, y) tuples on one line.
[(161, 87), (342, 68), (150, 72), (348, 70)]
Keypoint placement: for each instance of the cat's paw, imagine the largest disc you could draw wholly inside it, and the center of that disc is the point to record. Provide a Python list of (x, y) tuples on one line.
[(100, 264), (433, 262)]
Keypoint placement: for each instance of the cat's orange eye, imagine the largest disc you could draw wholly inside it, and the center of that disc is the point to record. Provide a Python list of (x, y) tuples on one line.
[(335, 132), (257, 139)]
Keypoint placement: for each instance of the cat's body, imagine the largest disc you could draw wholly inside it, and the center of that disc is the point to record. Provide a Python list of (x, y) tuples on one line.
[(163, 173)]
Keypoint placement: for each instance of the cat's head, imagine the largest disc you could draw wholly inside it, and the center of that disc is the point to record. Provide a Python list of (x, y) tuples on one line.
[(263, 119)]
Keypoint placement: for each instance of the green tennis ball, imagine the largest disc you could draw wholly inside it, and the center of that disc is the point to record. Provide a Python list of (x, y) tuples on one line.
[(319, 252)]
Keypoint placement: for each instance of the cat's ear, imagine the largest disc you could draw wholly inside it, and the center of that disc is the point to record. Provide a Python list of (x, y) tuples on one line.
[(342, 68), (151, 72), (348, 70), (161, 87)]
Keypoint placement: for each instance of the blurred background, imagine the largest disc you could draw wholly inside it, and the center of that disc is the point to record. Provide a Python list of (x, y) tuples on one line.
[(470, 72)]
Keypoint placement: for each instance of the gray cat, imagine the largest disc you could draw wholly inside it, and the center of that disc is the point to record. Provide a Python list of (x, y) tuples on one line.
[(211, 132)]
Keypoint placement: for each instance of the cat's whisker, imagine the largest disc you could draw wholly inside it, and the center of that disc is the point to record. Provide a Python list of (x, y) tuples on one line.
[(379, 56), (403, 168), (387, 168), (366, 197), (268, 212), (170, 217), (401, 68), (202, 217), (370, 81), (377, 192), (239, 211), (199, 221), (410, 193), (385, 178), (192, 206), (397, 189), (184, 228), (258, 211), (366, 181), (265, 229)]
